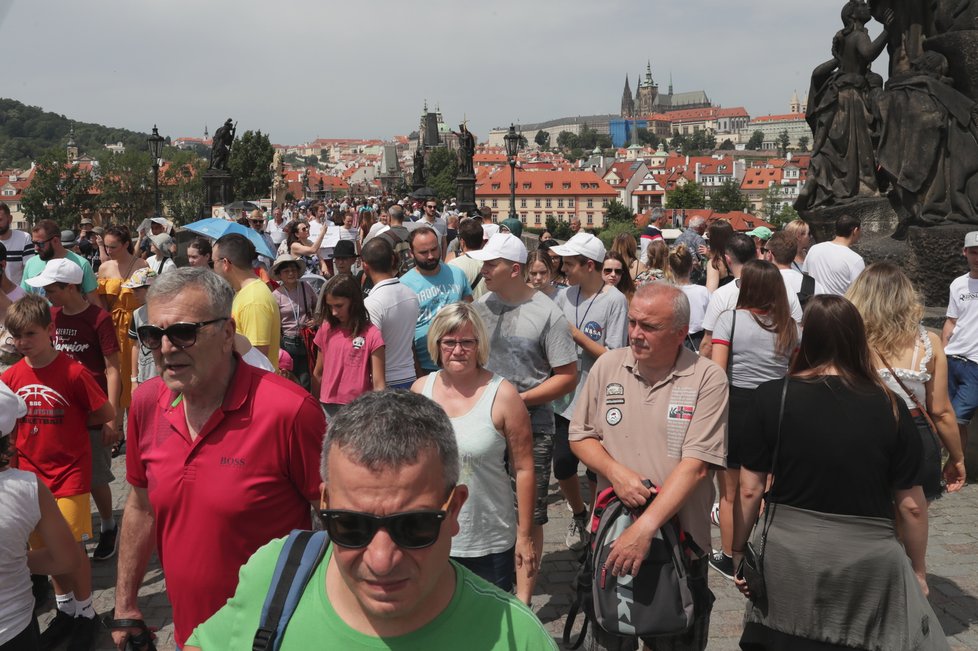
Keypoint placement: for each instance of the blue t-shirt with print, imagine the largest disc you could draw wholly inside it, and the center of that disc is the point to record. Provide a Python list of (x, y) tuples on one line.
[(447, 286)]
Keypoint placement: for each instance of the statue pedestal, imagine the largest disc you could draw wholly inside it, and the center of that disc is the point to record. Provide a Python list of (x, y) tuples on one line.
[(218, 188), (465, 192), (930, 256)]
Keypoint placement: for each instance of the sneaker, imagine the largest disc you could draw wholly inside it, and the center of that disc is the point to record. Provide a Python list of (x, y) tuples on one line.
[(577, 536), (722, 564), (715, 514), (57, 630), (83, 634), (106, 545)]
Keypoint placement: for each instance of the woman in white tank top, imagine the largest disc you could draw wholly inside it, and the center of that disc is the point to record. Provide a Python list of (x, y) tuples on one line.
[(491, 424), (27, 505), (891, 310)]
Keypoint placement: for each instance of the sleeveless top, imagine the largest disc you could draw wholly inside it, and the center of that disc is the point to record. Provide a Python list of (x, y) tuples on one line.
[(122, 303), (487, 522), (914, 377), (18, 518)]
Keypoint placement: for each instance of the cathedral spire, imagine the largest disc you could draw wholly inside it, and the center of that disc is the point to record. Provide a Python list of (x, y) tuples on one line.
[(670, 83), (627, 102)]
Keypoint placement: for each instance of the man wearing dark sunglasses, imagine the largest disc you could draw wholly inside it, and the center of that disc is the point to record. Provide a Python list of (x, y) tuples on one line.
[(390, 503), (222, 457), (48, 242)]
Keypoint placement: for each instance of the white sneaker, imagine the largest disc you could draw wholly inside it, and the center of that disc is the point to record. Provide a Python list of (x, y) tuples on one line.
[(715, 514), (577, 536)]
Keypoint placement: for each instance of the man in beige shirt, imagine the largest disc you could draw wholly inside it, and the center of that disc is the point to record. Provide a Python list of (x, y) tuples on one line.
[(657, 411)]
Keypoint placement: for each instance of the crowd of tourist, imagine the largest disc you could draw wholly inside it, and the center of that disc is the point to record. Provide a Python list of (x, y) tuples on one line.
[(416, 375)]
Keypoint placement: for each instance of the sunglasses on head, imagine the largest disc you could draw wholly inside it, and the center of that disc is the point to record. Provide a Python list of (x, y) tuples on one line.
[(408, 530), (181, 335)]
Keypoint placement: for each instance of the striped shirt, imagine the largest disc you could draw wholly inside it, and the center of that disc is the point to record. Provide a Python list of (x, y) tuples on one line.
[(20, 248)]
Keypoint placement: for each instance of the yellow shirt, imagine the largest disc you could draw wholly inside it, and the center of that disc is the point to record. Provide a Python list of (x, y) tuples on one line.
[(256, 316)]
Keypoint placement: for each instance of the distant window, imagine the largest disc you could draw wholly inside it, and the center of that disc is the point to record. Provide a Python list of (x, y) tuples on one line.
[(495, 186), (590, 203), (494, 203), (536, 218), (536, 203), (548, 186), (522, 203), (590, 218), (560, 203), (548, 203), (604, 202), (526, 186), (567, 185), (570, 203)]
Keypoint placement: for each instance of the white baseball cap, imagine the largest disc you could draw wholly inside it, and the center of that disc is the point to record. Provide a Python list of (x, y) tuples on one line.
[(505, 246), (488, 230), (12, 407), (582, 244), (971, 239), (58, 270)]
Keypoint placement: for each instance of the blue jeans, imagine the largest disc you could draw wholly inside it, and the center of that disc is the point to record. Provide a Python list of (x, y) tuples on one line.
[(498, 569), (962, 386)]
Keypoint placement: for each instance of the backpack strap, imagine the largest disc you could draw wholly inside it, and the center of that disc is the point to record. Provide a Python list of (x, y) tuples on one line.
[(298, 560), (807, 287)]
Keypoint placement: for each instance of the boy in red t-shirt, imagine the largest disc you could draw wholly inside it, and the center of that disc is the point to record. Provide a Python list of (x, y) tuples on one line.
[(85, 333), (63, 400)]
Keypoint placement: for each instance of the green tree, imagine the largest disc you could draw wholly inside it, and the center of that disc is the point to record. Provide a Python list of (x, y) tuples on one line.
[(567, 140), (559, 229), (775, 207), (618, 212), (690, 195), (442, 168), (311, 161), (756, 140), (729, 198), (542, 139), (250, 165), (125, 186), (612, 230), (727, 145), (58, 191), (803, 143), (646, 137), (184, 187), (783, 142)]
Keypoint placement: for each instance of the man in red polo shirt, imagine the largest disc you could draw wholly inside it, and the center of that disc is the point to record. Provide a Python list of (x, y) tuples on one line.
[(222, 456)]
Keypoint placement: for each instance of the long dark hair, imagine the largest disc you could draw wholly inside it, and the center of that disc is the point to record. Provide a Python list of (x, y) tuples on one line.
[(290, 233), (345, 286), (762, 289), (719, 234), (121, 233), (625, 284), (834, 335)]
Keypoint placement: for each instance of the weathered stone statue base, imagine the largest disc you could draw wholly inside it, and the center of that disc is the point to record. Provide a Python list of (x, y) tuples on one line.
[(465, 192), (218, 188), (930, 256)]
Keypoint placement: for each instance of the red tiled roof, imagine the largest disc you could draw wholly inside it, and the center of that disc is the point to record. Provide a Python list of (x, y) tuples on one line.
[(560, 182), (761, 177), (787, 117)]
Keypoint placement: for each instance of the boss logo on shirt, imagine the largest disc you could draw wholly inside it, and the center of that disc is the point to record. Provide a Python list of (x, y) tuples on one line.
[(232, 461)]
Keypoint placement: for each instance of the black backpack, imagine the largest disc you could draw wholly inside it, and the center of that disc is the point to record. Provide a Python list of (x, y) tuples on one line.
[(807, 288)]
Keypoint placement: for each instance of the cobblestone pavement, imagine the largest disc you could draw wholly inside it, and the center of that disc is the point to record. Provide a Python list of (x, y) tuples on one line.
[(952, 559)]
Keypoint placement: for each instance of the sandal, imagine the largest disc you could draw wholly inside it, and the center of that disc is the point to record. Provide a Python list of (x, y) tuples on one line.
[(143, 641)]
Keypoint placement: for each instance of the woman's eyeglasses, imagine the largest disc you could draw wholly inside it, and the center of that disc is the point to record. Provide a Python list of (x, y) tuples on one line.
[(617, 272), (181, 335), (408, 530), (466, 344)]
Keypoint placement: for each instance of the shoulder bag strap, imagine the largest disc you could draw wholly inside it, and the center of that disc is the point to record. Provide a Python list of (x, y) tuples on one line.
[(733, 328), (913, 396), (297, 562), (769, 508)]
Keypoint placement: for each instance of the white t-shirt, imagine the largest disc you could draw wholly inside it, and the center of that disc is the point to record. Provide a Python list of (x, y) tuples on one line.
[(160, 265), (20, 249), (376, 229), (963, 306), (794, 278), (276, 232), (19, 516), (833, 265), (699, 298), (726, 297), (394, 310)]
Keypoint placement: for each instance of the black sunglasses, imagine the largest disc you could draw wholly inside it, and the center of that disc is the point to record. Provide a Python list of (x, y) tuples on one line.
[(181, 335), (408, 530), (39, 243)]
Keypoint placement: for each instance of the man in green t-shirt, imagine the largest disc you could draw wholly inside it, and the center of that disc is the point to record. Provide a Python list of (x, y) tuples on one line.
[(384, 583)]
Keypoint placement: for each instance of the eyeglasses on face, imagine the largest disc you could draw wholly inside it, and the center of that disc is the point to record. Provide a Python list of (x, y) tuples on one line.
[(450, 344), (617, 272), (40, 243), (182, 335), (408, 530), (431, 205)]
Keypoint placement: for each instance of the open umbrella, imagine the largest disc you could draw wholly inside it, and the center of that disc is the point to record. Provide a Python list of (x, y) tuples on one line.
[(423, 194), (242, 205), (215, 228)]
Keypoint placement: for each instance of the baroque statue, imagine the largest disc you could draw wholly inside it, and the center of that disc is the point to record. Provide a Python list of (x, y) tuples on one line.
[(221, 145), (418, 175), (466, 150)]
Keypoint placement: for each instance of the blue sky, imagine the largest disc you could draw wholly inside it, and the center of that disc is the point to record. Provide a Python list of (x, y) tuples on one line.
[(299, 70)]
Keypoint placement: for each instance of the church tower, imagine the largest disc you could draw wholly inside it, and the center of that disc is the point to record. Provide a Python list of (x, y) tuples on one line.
[(795, 103), (71, 147), (627, 103), (646, 94)]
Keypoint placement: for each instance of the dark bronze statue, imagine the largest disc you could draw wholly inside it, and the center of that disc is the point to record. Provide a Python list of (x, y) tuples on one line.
[(221, 146), (842, 116), (418, 175), (466, 150)]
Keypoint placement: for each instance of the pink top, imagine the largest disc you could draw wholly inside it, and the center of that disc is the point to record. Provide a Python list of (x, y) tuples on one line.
[(346, 362)]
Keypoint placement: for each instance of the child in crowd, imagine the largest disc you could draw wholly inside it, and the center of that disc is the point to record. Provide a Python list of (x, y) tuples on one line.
[(142, 358), (63, 401), (351, 349), (85, 333)]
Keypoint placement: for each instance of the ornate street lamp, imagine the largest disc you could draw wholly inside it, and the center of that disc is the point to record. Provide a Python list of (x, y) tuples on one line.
[(155, 143), (512, 140)]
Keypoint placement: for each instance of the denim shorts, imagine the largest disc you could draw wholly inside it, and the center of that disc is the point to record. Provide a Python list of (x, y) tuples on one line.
[(498, 569), (962, 387)]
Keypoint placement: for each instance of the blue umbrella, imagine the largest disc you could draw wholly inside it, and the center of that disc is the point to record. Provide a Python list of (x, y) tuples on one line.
[(215, 228)]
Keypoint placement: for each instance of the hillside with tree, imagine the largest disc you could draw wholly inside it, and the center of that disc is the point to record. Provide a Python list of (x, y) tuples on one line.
[(27, 132)]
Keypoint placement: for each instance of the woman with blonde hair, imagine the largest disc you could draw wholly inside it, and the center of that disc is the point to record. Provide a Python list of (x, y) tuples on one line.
[(911, 362), (656, 264), (681, 266), (800, 231), (625, 245), (491, 424)]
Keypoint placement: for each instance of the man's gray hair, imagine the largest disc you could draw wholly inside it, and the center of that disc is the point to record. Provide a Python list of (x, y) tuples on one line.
[(697, 222), (396, 213), (390, 429), (218, 291), (680, 304)]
